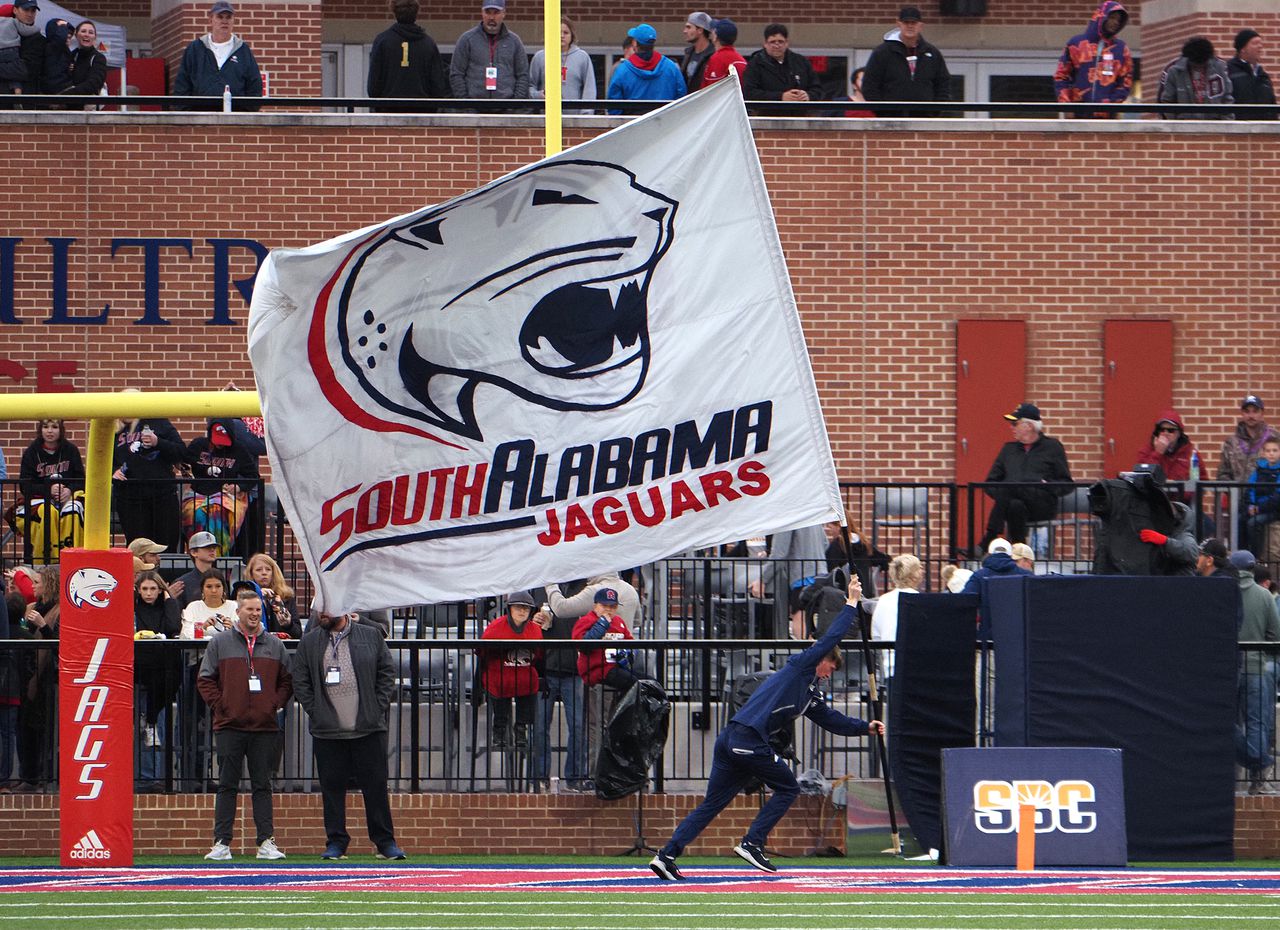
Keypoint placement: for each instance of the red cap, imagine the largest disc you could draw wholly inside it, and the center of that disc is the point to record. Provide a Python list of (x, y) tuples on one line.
[(219, 436)]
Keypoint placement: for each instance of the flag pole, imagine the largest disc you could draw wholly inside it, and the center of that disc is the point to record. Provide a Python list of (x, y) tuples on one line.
[(552, 63), (877, 708)]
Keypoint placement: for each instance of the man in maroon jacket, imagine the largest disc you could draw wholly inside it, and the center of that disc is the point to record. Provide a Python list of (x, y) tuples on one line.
[(245, 679)]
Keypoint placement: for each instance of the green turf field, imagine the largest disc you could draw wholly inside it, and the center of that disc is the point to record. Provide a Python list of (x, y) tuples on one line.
[(664, 910)]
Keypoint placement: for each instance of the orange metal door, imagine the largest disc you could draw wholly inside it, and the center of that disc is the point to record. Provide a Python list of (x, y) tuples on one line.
[(1137, 383), (991, 372)]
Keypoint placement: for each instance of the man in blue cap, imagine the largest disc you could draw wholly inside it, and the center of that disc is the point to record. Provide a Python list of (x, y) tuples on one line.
[(646, 74)]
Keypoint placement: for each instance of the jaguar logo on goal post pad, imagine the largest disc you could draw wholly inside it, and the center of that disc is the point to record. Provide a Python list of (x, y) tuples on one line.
[(95, 699)]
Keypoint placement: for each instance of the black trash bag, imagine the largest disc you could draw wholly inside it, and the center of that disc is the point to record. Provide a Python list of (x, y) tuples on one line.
[(782, 740), (823, 599), (633, 740)]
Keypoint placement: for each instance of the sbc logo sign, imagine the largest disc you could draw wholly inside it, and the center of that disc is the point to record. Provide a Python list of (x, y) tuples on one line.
[(1057, 805)]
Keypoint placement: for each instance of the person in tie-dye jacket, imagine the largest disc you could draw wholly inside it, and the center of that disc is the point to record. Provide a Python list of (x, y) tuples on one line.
[(1096, 66)]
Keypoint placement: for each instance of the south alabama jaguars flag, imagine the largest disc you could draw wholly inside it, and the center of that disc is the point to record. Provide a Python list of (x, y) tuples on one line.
[(588, 364)]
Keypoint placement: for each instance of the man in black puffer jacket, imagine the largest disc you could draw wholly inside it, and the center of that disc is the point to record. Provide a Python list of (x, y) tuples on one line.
[(906, 67)]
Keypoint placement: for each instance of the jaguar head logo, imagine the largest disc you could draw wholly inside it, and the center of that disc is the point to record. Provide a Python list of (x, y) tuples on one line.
[(537, 285), (91, 587)]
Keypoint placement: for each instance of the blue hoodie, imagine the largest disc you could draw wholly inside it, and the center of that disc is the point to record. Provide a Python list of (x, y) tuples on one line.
[(1264, 486), (659, 78)]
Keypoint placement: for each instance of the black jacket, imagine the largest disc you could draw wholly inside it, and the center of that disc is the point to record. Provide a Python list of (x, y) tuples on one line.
[(694, 63), (405, 62), (56, 70), (1125, 509), (145, 466), (889, 76), (161, 617), (88, 71), (1250, 87), (40, 468), (766, 78), (1046, 460), (375, 681)]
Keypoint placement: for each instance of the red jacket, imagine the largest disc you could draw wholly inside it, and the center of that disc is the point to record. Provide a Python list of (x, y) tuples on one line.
[(594, 664), (720, 62), (511, 672)]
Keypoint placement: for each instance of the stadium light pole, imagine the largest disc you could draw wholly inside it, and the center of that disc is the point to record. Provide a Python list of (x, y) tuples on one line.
[(102, 411)]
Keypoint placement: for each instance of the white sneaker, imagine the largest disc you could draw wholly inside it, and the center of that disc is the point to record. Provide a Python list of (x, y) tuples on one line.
[(220, 852), (150, 737), (269, 850)]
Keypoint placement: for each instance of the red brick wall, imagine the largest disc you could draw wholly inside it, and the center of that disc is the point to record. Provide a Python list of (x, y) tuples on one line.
[(284, 38), (1162, 41), (891, 237), (441, 824), (436, 824)]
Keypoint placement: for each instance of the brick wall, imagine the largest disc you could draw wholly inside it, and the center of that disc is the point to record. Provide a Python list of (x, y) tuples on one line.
[(442, 824), (891, 235), (437, 824)]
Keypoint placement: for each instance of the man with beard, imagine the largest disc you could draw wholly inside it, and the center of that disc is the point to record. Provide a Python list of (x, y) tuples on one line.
[(489, 60)]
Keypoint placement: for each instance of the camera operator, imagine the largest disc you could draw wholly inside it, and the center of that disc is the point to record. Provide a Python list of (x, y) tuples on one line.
[(1142, 531)]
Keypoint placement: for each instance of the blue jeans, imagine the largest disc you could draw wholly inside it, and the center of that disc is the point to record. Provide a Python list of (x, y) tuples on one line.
[(740, 755), (8, 742), (1256, 717), (567, 689), (151, 758)]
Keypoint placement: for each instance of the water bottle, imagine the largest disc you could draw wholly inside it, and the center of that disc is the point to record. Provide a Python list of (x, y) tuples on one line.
[(226, 98), (1195, 467)]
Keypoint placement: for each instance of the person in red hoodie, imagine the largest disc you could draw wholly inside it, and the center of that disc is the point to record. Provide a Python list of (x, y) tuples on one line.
[(509, 673), (1171, 448), (724, 33), (609, 666)]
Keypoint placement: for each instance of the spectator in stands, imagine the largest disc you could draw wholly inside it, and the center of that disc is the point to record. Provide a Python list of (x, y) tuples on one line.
[(1198, 76), (1242, 448), (1141, 530), (906, 67), (489, 60), (512, 674), (1023, 556), (1031, 457), (212, 613), (1211, 559), (746, 749), (774, 72), (202, 549), (218, 61), (628, 49), (1256, 714), (723, 33), (55, 75), (218, 497), (277, 596), (793, 555), (646, 74), (245, 680), (155, 670), (148, 553), (560, 682), (1096, 66), (854, 96), (88, 64), (906, 574), (954, 578), (865, 560), (146, 496), (1250, 82), (51, 473), (1171, 448), (37, 708), (344, 677), (1264, 496), (581, 602), (21, 48), (613, 666), (697, 32), (15, 605), (578, 75), (405, 62), (998, 563)]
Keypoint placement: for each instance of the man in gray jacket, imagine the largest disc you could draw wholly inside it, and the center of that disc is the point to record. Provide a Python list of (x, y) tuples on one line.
[(489, 60), (343, 677)]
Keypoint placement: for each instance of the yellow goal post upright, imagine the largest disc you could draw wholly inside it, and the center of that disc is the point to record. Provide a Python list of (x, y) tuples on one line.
[(102, 411)]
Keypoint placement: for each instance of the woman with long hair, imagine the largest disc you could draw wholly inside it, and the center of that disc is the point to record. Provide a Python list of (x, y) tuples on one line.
[(88, 64), (51, 514), (213, 613), (865, 559), (277, 597), (577, 74), (155, 670), (37, 707)]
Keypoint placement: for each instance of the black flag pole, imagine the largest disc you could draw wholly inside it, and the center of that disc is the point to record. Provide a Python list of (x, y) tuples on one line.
[(877, 707)]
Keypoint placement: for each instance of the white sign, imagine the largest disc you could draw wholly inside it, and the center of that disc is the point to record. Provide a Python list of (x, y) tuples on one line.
[(588, 364)]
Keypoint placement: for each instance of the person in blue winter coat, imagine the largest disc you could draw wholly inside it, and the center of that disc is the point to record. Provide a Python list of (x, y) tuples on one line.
[(745, 751), (645, 74), (218, 61)]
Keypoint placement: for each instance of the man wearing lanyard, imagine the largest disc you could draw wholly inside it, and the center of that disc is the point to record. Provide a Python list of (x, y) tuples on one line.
[(343, 678), (245, 679), (489, 60)]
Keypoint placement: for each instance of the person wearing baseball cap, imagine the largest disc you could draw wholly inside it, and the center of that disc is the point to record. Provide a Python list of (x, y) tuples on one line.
[(724, 32), (1243, 447), (906, 67), (489, 60), (22, 48), (1257, 691), (1250, 82), (645, 74), (1032, 458), (216, 499), (217, 62), (610, 666), (697, 32)]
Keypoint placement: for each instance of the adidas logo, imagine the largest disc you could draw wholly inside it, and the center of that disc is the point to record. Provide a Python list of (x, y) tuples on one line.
[(90, 847)]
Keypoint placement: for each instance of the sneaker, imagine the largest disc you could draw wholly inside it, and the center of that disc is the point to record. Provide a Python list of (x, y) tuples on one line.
[(221, 852), (665, 868), (391, 851), (755, 855), (334, 851), (269, 850), (150, 738)]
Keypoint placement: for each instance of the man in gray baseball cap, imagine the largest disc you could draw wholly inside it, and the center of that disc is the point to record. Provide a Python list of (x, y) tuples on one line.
[(697, 32)]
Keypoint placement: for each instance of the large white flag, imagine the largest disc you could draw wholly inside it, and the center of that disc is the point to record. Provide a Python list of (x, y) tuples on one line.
[(588, 364)]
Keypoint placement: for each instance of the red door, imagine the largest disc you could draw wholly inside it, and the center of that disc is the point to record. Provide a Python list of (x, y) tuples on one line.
[(991, 370), (1137, 383)]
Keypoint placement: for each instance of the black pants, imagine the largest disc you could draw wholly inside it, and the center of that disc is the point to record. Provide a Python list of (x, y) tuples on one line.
[(234, 748), (155, 518), (1017, 507), (365, 759)]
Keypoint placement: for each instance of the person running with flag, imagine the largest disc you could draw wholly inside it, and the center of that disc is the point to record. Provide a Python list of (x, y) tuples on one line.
[(745, 750)]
